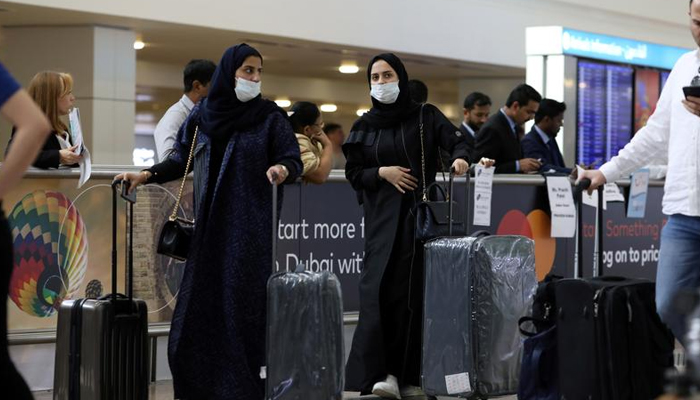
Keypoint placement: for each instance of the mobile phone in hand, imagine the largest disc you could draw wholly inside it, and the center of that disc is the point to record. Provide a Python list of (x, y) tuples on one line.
[(130, 197), (691, 91)]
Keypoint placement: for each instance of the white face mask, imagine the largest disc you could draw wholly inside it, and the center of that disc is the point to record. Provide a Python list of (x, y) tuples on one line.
[(246, 90), (386, 93)]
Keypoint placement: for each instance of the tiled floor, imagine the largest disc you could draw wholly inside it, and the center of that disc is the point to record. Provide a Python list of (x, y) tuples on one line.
[(164, 391)]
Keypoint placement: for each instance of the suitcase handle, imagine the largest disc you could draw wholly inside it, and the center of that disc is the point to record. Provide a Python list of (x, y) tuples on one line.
[(466, 200), (116, 186), (580, 187), (449, 200), (274, 222)]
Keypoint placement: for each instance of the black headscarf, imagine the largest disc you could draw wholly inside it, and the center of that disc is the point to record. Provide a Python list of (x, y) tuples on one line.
[(388, 115), (222, 112)]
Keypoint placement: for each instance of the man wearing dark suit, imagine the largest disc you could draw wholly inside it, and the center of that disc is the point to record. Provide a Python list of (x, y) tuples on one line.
[(477, 107), (499, 139), (541, 142)]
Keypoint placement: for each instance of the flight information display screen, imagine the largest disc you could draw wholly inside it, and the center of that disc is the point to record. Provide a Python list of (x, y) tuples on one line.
[(646, 95), (605, 110)]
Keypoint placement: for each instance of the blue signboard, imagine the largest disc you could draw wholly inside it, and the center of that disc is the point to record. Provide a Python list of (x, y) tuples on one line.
[(619, 50)]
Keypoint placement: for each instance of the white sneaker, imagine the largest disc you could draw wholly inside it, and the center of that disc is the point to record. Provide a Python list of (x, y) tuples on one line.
[(387, 389), (411, 391)]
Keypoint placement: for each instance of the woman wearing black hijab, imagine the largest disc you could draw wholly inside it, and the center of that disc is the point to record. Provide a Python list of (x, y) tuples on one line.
[(383, 155), (217, 339)]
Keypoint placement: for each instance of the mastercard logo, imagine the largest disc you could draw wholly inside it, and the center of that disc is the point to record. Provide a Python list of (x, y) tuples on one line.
[(536, 226)]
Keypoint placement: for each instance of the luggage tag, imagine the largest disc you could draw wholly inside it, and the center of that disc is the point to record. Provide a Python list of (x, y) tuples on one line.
[(458, 383)]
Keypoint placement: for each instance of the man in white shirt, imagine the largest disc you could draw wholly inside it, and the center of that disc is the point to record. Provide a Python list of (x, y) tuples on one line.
[(673, 132), (197, 75)]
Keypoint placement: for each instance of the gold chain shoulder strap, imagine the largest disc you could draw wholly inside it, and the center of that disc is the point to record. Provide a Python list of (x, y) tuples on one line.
[(422, 152), (173, 216), (422, 156)]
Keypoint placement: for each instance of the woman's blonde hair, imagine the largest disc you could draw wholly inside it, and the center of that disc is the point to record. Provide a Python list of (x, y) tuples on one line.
[(46, 88)]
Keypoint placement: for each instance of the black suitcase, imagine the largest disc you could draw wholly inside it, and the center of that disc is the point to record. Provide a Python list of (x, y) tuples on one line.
[(305, 343), (102, 344), (612, 344)]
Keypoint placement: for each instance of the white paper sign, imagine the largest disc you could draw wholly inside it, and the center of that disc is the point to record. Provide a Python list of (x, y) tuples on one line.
[(561, 202), (483, 188), (613, 194), (458, 383), (590, 199), (85, 167), (76, 134), (638, 194), (76, 131)]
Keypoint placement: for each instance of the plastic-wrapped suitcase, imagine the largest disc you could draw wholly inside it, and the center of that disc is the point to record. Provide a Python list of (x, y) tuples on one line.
[(612, 343), (102, 344), (305, 344), (476, 289)]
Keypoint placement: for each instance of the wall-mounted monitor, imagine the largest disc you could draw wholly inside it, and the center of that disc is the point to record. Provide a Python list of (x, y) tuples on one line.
[(604, 112), (646, 95)]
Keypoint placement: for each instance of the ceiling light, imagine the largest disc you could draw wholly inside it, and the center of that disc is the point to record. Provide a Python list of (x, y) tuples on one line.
[(144, 117), (349, 69), (361, 111), (329, 108), (284, 103), (143, 97), (138, 45)]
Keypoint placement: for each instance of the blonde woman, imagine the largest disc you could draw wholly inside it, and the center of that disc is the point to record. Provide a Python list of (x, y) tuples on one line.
[(53, 92)]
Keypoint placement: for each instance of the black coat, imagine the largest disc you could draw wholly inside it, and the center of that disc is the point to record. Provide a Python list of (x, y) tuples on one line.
[(389, 222), (534, 147), (217, 337), (497, 141), (49, 156)]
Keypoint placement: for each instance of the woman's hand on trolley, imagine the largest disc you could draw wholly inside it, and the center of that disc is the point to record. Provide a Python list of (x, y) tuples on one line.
[(460, 166), (134, 178), (400, 177), (277, 174)]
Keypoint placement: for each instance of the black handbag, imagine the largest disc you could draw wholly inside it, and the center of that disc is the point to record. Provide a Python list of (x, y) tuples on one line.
[(176, 234), (436, 218), (433, 217), (175, 237)]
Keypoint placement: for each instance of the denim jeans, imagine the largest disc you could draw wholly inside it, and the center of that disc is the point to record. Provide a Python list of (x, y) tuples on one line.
[(678, 268)]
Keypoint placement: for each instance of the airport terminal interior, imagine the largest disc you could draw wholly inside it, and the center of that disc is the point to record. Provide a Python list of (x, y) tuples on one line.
[(605, 66)]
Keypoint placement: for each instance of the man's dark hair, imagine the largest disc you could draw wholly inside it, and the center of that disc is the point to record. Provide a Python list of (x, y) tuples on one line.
[(476, 99), (330, 127), (198, 70), (418, 91), (549, 108), (523, 94)]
